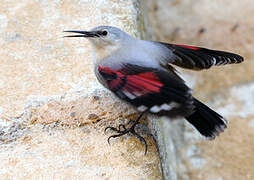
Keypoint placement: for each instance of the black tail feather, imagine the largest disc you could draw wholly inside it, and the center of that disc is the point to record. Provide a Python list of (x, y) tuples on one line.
[(209, 123)]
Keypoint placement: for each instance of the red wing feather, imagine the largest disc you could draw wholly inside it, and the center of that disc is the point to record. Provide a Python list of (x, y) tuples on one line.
[(148, 81), (149, 88), (141, 83), (189, 47)]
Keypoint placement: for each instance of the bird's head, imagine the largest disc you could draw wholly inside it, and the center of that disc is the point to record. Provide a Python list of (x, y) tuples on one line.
[(102, 36), (105, 39)]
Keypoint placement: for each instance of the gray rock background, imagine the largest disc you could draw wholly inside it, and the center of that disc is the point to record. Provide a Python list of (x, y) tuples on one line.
[(225, 25), (53, 111)]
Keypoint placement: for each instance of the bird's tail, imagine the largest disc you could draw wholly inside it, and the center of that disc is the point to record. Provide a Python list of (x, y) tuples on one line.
[(209, 123)]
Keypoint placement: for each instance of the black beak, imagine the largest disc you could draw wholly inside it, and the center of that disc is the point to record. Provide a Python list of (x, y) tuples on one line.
[(84, 34)]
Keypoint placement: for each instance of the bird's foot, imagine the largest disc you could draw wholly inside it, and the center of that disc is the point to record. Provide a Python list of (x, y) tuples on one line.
[(122, 130)]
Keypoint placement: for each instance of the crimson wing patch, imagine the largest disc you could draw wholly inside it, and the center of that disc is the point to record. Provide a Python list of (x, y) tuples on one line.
[(188, 47), (198, 58), (149, 89)]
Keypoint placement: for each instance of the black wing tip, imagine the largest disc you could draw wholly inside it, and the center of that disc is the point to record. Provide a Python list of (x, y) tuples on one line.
[(218, 129), (240, 59), (197, 58), (231, 58), (236, 58)]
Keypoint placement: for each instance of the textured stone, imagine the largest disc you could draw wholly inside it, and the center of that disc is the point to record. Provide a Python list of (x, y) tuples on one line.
[(225, 25), (185, 19), (37, 61), (52, 109), (56, 152)]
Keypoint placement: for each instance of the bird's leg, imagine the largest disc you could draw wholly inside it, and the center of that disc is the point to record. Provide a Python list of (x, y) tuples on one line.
[(127, 130)]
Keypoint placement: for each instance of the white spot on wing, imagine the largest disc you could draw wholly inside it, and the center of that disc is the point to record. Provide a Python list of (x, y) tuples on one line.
[(129, 95), (155, 109), (165, 107), (142, 108), (220, 62), (226, 61), (235, 60), (214, 61), (170, 106)]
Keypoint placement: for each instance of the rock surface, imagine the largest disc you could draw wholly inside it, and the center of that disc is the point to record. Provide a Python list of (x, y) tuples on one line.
[(226, 25), (53, 111)]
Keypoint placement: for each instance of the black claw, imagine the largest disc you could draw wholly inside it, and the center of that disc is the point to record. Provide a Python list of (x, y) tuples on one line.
[(105, 130), (141, 139), (126, 131), (114, 136), (109, 139), (112, 128)]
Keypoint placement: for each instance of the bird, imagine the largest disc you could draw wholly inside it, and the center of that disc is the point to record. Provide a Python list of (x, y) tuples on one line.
[(142, 73)]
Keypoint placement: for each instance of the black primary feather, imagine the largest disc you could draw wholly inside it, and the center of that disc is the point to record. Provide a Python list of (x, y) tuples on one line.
[(198, 58)]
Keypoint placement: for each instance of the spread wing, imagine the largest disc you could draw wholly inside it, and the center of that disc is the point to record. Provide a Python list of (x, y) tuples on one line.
[(198, 58), (157, 91)]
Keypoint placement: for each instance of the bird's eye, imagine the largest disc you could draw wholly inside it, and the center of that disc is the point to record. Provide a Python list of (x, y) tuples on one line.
[(104, 33)]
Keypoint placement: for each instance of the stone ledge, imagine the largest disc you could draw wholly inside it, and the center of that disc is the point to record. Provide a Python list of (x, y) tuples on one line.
[(51, 100)]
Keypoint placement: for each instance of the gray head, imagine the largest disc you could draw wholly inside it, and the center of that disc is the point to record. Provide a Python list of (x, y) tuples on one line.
[(103, 36), (105, 40)]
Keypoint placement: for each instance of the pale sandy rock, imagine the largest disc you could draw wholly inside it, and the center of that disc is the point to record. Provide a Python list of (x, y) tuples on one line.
[(225, 25), (230, 156), (251, 123), (53, 110), (86, 109), (38, 61), (56, 152)]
